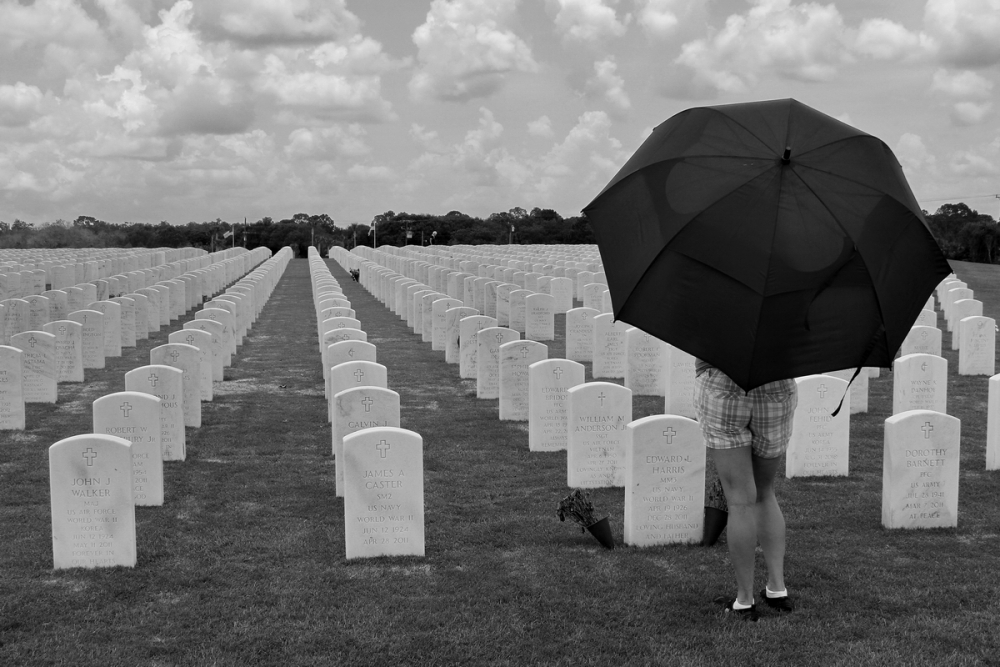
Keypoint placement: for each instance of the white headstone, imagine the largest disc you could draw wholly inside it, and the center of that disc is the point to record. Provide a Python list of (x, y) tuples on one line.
[(93, 514), (384, 493), (11, 394), (357, 409), (580, 334), (920, 382), (439, 326), (202, 341), (215, 344), (488, 342), (68, 349), (539, 317), (678, 383), (38, 380), (135, 417), (468, 346), (188, 359), (977, 351), (548, 412), (453, 331), (166, 383), (926, 318), (664, 481), (992, 424), (598, 415), (609, 347), (921, 340), (561, 290), (128, 320), (515, 358), (644, 360), (351, 374), (112, 326), (920, 470), (819, 445)]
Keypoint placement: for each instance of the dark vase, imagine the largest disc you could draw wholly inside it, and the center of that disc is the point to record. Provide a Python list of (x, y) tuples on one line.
[(715, 523), (602, 531)]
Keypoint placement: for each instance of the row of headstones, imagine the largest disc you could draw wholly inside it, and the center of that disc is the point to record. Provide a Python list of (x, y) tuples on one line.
[(27, 272), (592, 422), (378, 465), (56, 351), (96, 480), (820, 449)]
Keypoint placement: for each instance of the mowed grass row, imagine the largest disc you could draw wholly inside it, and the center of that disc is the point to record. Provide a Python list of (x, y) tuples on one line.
[(244, 564)]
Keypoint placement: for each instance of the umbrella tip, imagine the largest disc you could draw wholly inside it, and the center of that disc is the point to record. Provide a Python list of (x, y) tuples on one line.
[(786, 156)]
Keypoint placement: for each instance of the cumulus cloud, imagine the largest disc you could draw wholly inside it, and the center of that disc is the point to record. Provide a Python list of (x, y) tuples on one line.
[(58, 32), (964, 84), (262, 23), (666, 19), (327, 142), (541, 127), (19, 104), (361, 172), (587, 21), (589, 154), (806, 42), (972, 165), (465, 50), (882, 39), (913, 154), (970, 113), (966, 33), (609, 86)]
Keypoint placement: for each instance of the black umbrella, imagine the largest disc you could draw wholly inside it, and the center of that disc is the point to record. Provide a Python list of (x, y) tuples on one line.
[(767, 239)]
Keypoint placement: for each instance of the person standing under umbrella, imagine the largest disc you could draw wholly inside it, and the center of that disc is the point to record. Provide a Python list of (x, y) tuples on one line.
[(771, 241), (747, 432)]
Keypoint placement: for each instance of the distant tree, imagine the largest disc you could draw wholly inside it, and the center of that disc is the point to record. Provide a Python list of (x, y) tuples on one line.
[(964, 234)]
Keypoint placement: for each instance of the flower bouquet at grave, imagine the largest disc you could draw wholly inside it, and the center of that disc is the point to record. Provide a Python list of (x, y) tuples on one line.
[(578, 508)]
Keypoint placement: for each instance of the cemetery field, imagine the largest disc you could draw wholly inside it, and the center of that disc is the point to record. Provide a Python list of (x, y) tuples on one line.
[(244, 564)]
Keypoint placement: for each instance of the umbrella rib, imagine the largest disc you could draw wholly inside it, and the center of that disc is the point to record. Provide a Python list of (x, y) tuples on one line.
[(743, 127), (833, 217)]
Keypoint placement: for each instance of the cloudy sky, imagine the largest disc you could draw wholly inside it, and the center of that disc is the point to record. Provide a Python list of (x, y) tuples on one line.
[(181, 110)]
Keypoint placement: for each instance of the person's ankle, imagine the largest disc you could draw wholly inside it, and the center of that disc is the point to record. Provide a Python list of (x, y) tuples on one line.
[(775, 592)]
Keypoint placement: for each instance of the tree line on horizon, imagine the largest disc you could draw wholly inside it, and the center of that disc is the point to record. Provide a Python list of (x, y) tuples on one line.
[(962, 232)]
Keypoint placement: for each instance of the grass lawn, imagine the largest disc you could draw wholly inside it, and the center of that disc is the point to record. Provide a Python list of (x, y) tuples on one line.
[(244, 563)]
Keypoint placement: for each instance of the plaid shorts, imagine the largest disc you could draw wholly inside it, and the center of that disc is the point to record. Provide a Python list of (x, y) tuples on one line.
[(732, 418)]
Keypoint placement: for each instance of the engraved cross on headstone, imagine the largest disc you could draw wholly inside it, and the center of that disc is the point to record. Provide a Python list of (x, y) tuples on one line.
[(821, 390), (62, 330), (367, 402), (669, 435), (125, 407), (557, 371), (32, 341), (190, 339), (90, 455), (153, 379), (383, 447), (359, 374), (174, 354), (499, 337), (602, 397), (524, 351), (927, 428)]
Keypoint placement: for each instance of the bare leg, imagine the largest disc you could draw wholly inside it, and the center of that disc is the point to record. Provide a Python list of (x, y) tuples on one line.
[(736, 470), (770, 521)]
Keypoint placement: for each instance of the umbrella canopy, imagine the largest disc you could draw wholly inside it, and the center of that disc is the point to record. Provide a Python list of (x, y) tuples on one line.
[(768, 239)]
